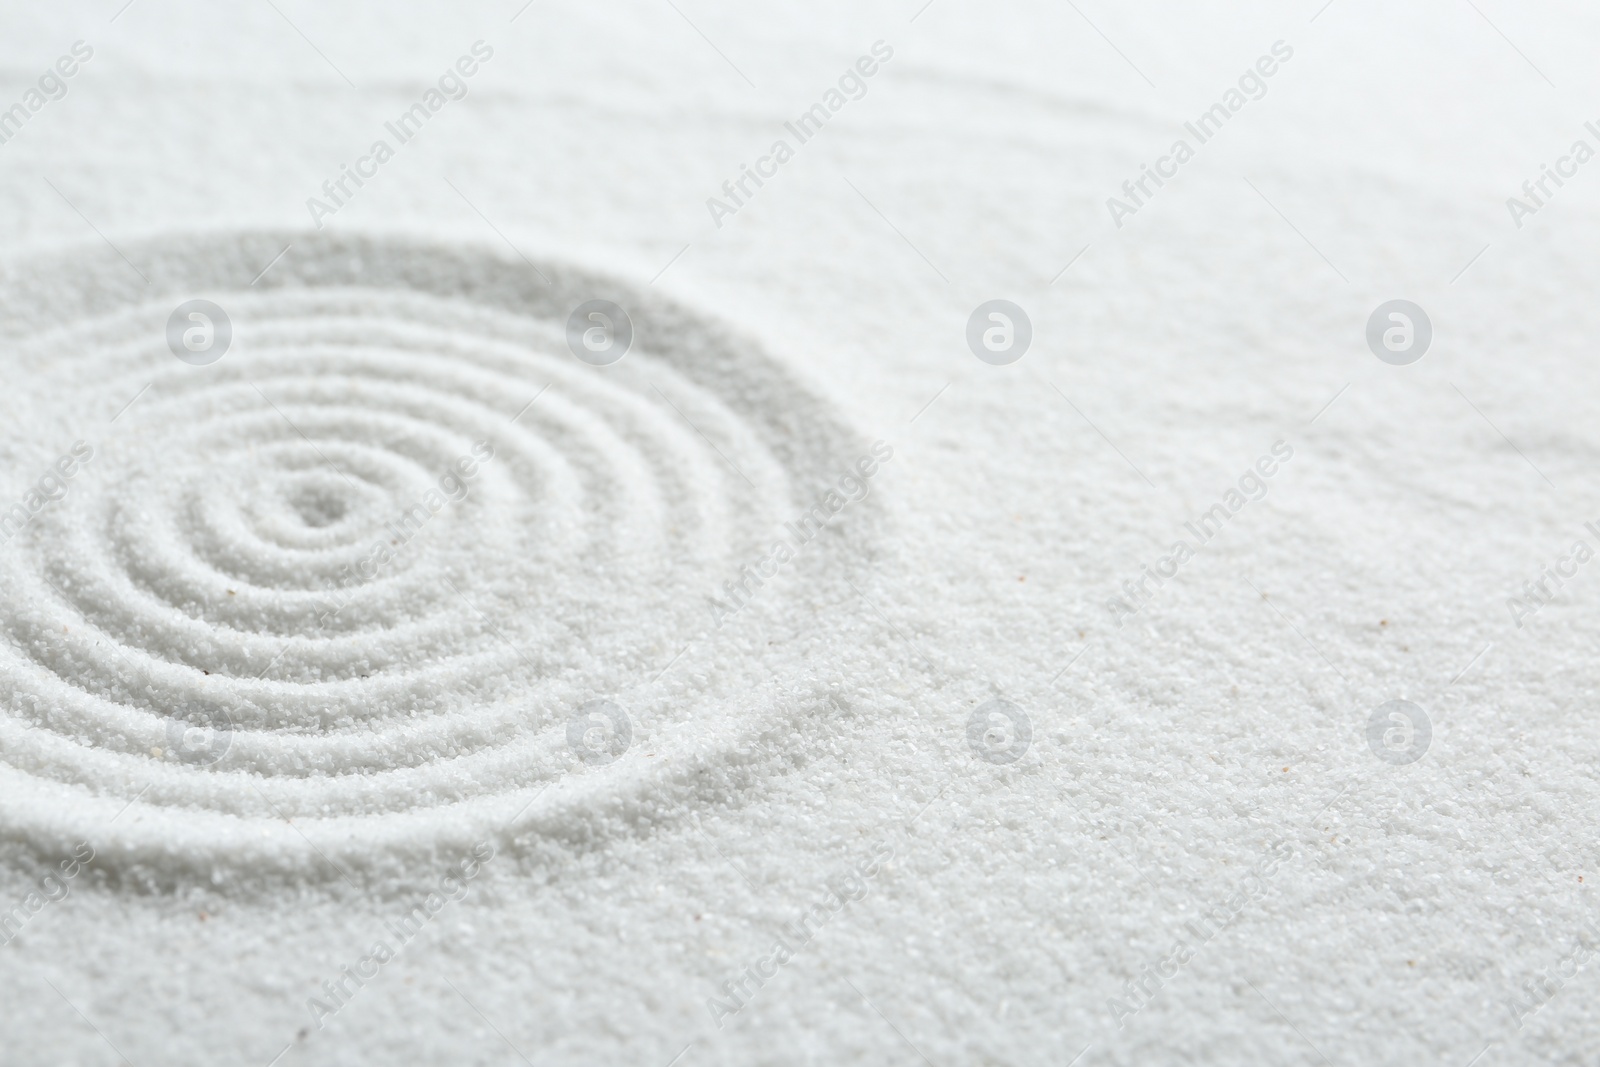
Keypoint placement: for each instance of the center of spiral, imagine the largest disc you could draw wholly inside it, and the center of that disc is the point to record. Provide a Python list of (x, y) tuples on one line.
[(319, 505)]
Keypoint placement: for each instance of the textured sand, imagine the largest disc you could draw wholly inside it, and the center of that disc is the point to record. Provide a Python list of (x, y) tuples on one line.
[(804, 850)]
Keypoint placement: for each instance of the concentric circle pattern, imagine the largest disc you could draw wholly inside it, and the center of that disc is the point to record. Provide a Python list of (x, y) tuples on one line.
[(338, 594)]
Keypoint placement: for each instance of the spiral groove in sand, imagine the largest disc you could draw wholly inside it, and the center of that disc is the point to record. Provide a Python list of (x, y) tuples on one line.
[(336, 586)]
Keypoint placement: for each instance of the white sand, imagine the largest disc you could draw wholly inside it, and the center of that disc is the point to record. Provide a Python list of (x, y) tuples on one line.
[(804, 850)]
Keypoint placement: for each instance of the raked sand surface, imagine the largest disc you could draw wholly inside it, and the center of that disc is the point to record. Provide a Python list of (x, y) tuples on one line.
[(384, 683)]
